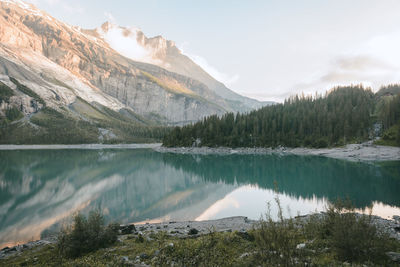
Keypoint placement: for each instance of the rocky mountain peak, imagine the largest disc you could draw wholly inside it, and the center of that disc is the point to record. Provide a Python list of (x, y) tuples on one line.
[(134, 44), (61, 63)]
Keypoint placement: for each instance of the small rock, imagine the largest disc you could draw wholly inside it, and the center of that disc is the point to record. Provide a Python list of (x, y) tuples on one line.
[(144, 256), (301, 246), (125, 258), (244, 255), (394, 256), (127, 229), (193, 231)]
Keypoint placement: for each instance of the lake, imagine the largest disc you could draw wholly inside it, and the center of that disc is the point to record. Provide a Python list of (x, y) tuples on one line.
[(41, 189)]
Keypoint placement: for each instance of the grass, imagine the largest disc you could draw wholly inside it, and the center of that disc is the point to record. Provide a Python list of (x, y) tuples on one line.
[(339, 237)]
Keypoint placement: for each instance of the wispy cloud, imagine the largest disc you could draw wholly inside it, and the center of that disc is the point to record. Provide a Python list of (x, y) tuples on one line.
[(214, 72), (372, 64)]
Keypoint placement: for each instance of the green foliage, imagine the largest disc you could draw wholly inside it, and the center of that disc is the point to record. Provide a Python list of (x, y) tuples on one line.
[(213, 249), (333, 239), (86, 235), (5, 92), (28, 91), (388, 90), (277, 240), (55, 127), (342, 116), (353, 237), (388, 112), (61, 127), (13, 114)]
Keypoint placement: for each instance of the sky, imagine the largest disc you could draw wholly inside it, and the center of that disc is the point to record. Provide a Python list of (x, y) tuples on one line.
[(264, 49)]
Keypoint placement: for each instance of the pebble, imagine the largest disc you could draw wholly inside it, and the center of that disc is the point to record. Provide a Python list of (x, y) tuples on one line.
[(301, 246)]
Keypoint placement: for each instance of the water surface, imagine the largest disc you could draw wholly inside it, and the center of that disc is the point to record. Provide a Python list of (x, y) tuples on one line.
[(39, 189)]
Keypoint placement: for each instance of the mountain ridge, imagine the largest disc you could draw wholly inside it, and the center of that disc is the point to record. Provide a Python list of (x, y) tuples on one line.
[(63, 65), (164, 53)]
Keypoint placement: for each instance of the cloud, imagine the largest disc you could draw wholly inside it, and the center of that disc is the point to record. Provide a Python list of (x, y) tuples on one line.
[(226, 79), (362, 63), (374, 63), (124, 41)]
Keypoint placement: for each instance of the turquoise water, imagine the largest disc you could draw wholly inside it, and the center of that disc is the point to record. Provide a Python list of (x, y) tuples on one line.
[(40, 189)]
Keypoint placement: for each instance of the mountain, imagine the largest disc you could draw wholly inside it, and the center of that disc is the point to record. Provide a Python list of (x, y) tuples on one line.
[(132, 43), (51, 72)]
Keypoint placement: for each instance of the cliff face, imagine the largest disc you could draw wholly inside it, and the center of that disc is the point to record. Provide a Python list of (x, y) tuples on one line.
[(164, 53), (60, 62)]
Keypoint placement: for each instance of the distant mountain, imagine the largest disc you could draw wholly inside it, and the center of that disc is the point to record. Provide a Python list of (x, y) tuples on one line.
[(49, 69), (132, 43)]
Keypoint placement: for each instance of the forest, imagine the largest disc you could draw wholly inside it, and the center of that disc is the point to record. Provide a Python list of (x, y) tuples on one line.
[(343, 115)]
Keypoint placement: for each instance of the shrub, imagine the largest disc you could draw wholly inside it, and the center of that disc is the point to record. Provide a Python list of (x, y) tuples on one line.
[(276, 240), (86, 235), (353, 237)]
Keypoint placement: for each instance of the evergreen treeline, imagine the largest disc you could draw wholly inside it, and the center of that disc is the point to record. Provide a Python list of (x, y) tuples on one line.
[(388, 110), (343, 115), (389, 114)]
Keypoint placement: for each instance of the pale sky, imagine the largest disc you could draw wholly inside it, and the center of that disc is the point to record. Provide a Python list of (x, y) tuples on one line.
[(264, 49)]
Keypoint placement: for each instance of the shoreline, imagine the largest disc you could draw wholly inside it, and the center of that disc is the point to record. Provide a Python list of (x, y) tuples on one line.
[(366, 152), (193, 229), (80, 146)]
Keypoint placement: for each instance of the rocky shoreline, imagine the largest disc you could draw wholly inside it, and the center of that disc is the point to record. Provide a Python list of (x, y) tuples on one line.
[(192, 229), (80, 146), (354, 152)]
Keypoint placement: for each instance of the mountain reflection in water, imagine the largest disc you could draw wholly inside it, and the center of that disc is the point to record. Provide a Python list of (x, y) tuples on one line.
[(40, 188)]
